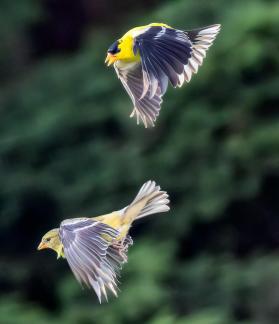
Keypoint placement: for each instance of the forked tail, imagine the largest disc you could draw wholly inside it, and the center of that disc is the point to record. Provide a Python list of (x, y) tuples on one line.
[(149, 200)]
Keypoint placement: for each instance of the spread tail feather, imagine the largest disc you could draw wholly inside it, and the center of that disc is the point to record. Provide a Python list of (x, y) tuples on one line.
[(150, 200)]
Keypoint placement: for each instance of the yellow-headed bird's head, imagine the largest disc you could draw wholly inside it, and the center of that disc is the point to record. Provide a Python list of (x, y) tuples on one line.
[(122, 50), (113, 53), (52, 241)]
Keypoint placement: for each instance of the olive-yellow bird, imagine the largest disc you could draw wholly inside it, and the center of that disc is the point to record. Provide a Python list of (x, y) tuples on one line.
[(96, 248), (146, 58)]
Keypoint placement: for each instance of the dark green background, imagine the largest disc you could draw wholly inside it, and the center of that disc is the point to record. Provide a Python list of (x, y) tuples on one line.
[(68, 149)]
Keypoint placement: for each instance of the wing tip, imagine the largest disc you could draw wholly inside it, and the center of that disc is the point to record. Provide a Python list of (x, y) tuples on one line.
[(201, 40)]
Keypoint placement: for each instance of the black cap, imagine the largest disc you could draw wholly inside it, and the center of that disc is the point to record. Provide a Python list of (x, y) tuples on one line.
[(113, 49)]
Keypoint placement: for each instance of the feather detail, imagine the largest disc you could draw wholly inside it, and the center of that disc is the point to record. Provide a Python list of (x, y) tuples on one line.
[(149, 200), (90, 250), (201, 40), (146, 103)]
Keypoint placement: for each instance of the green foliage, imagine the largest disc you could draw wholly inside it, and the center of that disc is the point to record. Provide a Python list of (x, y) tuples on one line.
[(68, 148)]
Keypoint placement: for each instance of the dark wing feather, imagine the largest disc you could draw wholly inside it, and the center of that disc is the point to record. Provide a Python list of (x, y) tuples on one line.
[(171, 47), (146, 106), (88, 247), (173, 53)]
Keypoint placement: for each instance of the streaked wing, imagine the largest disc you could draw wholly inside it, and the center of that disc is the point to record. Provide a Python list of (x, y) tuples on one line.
[(147, 102), (86, 243), (173, 53)]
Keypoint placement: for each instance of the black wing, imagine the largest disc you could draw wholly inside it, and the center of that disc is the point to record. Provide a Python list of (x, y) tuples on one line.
[(164, 52), (172, 53), (86, 245), (147, 103)]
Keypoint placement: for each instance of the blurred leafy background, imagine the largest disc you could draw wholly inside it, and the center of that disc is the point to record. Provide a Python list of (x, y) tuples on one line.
[(68, 148)]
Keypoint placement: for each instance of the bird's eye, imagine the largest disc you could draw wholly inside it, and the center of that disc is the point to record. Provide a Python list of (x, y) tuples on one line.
[(47, 239)]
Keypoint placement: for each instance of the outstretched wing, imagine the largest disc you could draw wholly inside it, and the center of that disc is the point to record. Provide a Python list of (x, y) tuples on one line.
[(147, 102), (172, 53), (87, 248), (164, 52)]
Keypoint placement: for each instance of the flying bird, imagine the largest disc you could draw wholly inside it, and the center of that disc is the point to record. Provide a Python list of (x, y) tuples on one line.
[(96, 248), (148, 57)]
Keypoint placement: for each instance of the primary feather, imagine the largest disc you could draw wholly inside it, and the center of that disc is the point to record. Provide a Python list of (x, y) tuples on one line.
[(147, 58)]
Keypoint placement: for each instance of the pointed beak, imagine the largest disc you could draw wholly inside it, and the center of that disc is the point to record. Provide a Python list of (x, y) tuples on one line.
[(110, 59), (42, 246)]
